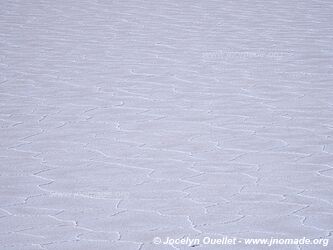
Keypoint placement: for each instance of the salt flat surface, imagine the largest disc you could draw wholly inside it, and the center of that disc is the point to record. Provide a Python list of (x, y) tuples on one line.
[(121, 121)]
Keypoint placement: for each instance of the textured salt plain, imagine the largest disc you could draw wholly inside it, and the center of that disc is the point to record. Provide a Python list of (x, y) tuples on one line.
[(126, 120)]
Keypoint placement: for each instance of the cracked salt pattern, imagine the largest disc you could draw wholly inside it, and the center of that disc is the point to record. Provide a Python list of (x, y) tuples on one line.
[(125, 120)]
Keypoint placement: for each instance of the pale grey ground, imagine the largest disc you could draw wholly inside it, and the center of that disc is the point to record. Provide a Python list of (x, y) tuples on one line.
[(126, 120)]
